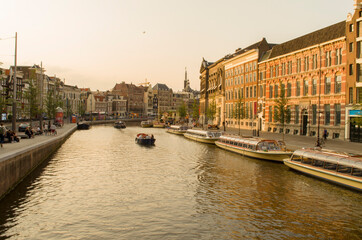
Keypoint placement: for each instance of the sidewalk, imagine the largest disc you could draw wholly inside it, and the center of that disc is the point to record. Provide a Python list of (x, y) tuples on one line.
[(9, 148), (294, 142)]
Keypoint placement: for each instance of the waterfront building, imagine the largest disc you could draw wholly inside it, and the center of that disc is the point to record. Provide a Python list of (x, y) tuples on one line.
[(134, 96), (354, 73), (71, 100), (312, 70), (163, 98), (242, 88)]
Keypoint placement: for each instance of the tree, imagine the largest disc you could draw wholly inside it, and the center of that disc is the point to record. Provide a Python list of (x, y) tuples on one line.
[(31, 95), (281, 111), (182, 111), (195, 110), (211, 111), (50, 104), (239, 111)]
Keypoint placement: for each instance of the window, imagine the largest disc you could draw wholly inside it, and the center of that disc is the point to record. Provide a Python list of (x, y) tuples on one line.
[(306, 64), (350, 95), (276, 91), (255, 91), (299, 65), (282, 89), (359, 49), (289, 110), (290, 67), (305, 87), (327, 114), (296, 120), (327, 86), (359, 28), (314, 114), (328, 59), (276, 70), (351, 28), (247, 92), (270, 114), (270, 91), (298, 89), (271, 71), (315, 61), (289, 89), (251, 91), (283, 69), (359, 95), (351, 47), (242, 92), (246, 67), (254, 65), (260, 91), (246, 78), (314, 87), (351, 69), (254, 76), (337, 114), (359, 73), (261, 76), (242, 80), (337, 84), (339, 56)]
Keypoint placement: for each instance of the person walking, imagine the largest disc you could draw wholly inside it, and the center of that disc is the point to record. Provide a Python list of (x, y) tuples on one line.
[(325, 134), (2, 134)]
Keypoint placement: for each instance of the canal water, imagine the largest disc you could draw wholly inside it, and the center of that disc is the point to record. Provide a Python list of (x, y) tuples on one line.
[(101, 185)]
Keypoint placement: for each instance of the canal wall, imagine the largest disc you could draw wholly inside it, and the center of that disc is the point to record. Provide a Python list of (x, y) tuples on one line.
[(16, 165)]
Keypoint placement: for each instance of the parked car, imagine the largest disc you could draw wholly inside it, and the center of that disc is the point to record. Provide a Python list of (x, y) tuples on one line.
[(23, 126)]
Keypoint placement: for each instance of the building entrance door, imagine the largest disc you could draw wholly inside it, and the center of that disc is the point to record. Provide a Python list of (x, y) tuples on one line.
[(355, 132), (304, 122)]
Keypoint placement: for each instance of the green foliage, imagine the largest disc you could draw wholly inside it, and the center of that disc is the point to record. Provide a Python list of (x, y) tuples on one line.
[(81, 109), (282, 113), (50, 104), (211, 110), (182, 111), (31, 95), (195, 110), (239, 110)]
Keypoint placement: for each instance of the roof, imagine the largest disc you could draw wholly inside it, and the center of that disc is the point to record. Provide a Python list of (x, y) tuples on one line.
[(160, 86), (320, 36)]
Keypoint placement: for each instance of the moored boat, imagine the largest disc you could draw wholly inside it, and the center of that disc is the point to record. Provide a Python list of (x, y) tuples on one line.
[(119, 124), (145, 139), (83, 126), (176, 129), (254, 147), (147, 124), (158, 125), (339, 168), (202, 135)]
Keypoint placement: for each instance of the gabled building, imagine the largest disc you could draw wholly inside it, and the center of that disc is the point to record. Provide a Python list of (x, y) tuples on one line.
[(163, 98)]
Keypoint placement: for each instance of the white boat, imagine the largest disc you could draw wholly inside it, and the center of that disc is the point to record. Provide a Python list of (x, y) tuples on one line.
[(202, 135), (176, 129), (254, 147), (339, 168)]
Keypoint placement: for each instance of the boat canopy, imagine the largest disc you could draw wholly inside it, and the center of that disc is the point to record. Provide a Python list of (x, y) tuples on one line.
[(204, 133), (178, 127), (330, 156)]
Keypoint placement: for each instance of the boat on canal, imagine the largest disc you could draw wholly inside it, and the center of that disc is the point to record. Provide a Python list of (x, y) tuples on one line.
[(145, 139), (158, 125), (147, 124), (119, 124), (340, 168), (177, 129), (203, 136), (83, 126), (260, 148)]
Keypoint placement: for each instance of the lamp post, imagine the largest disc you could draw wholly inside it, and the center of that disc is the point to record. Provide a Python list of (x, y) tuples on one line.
[(318, 144), (14, 86)]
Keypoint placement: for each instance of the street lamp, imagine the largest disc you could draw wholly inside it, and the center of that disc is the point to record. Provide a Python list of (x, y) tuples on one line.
[(318, 144)]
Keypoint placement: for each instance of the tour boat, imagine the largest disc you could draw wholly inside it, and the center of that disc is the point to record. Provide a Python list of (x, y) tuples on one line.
[(176, 129), (260, 148), (146, 124), (202, 135), (339, 168), (145, 139), (119, 124)]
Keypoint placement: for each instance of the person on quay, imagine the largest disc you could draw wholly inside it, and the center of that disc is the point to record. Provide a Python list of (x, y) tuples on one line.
[(2, 134)]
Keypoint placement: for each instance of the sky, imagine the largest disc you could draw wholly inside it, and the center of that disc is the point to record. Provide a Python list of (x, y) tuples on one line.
[(98, 43)]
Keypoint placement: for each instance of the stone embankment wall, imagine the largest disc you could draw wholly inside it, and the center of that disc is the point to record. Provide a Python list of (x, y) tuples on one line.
[(15, 166)]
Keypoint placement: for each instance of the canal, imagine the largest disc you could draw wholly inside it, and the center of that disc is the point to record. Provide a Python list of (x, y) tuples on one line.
[(101, 185)]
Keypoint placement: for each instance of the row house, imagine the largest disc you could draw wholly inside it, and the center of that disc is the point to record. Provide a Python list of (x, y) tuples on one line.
[(311, 70), (241, 85), (162, 98), (148, 100), (204, 89), (71, 100), (354, 73), (134, 96)]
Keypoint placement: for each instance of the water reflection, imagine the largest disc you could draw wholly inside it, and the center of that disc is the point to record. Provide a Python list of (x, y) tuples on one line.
[(100, 184)]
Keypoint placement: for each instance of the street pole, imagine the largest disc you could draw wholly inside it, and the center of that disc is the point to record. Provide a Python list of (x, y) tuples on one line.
[(14, 86)]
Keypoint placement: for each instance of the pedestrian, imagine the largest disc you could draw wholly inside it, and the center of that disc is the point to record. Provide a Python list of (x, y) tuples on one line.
[(325, 134), (52, 129), (2, 134)]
